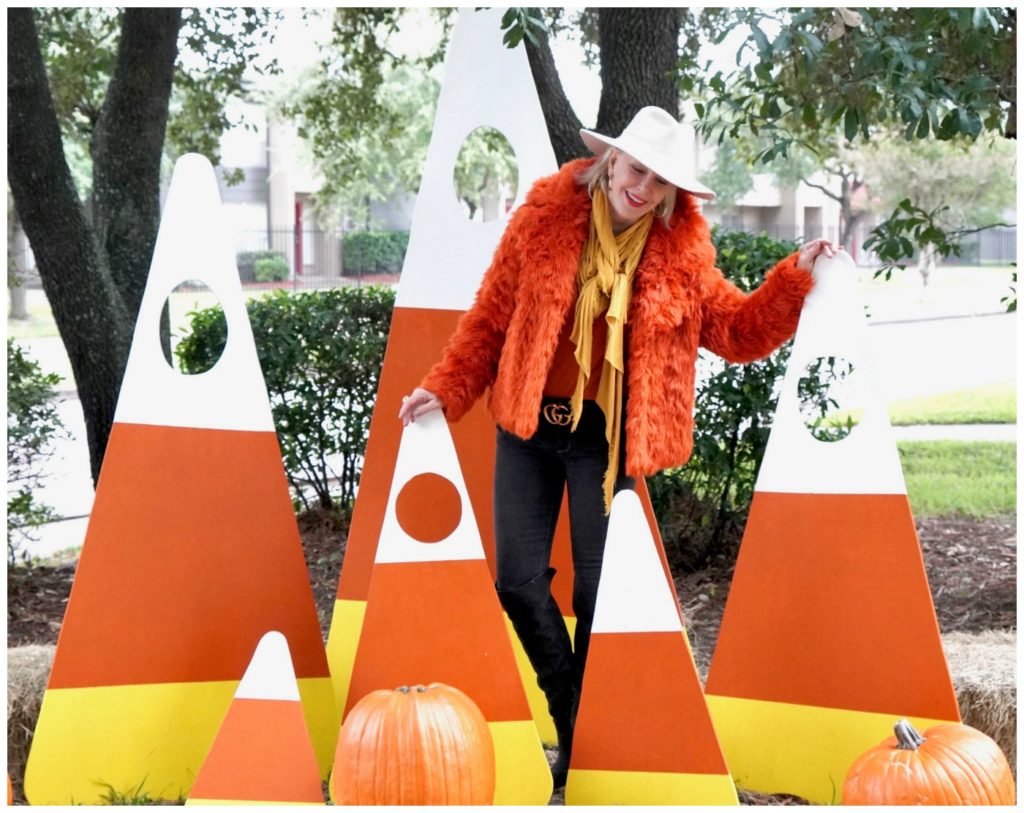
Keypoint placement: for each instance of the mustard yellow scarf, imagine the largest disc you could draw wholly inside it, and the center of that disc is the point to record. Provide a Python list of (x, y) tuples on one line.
[(605, 281)]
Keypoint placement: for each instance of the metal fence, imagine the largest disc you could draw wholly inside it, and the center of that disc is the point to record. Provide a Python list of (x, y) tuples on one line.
[(315, 258)]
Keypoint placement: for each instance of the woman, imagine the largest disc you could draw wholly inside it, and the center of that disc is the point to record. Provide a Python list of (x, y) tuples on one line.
[(586, 329)]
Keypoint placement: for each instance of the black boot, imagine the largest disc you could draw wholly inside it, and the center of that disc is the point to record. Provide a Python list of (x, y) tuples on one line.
[(563, 708), (538, 622)]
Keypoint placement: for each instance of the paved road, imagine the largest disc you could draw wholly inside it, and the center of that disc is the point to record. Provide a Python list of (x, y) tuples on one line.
[(913, 358)]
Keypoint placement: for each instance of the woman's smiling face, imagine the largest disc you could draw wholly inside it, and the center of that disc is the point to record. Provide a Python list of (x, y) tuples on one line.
[(633, 190)]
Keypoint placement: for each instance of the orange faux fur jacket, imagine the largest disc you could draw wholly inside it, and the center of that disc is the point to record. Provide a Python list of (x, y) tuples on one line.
[(506, 340)]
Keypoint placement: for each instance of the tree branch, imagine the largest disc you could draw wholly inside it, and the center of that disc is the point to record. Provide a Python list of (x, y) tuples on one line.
[(128, 143), (825, 190), (86, 307), (562, 122)]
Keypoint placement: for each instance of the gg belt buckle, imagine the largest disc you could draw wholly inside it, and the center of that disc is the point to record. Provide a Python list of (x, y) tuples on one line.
[(557, 414)]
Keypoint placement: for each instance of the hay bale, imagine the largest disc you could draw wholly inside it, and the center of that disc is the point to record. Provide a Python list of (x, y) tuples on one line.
[(28, 668), (984, 670)]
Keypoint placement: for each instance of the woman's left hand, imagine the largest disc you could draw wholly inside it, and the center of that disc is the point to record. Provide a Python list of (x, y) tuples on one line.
[(810, 251)]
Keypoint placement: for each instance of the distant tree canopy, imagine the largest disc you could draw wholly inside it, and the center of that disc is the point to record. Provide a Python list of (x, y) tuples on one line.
[(830, 78), (941, 71), (815, 81)]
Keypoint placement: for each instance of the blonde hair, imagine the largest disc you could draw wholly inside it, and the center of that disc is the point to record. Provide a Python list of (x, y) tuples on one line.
[(597, 175)]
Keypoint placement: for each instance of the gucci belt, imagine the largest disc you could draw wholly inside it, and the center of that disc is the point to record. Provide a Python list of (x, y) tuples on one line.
[(558, 414)]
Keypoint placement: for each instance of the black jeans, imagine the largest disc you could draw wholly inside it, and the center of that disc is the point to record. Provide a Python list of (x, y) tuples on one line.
[(529, 478)]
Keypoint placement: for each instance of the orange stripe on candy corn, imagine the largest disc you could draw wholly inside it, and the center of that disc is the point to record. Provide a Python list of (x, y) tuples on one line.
[(262, 753), (163, 576), (639, 703), (438, 622), (856, 600)]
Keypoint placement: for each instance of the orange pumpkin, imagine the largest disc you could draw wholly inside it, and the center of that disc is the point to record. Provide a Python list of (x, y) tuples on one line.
[(951, 764), (425, 745)]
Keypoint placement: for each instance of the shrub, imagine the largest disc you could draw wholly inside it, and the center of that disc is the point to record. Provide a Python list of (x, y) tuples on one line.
[(702, 507), (32, 426), (321, 353), (246, 262), (270, 269), (373, 252)]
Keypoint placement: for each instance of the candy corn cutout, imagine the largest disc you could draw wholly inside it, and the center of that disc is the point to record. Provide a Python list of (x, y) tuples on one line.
[(486, 84), (262, 753), (432, 614), (192, 553), (643, 732), (829, 632)]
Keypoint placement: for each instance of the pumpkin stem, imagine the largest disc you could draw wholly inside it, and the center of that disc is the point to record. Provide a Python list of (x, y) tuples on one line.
[(421, 688), (907, 737), (403, 689)]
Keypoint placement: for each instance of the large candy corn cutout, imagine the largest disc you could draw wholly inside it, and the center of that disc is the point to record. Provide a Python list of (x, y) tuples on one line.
[(643, 733), (486, 84), (191, 555), (262, 753), (432, 614), (829, 633)]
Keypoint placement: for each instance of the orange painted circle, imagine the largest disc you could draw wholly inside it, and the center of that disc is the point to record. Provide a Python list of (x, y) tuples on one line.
[(429, 507)]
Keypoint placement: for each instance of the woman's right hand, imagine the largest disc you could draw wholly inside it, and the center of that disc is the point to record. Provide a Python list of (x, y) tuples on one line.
[(418, 403)]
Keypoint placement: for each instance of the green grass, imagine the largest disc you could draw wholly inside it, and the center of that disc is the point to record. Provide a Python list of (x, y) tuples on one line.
[(40, 322), (969, 478), (993, 404)]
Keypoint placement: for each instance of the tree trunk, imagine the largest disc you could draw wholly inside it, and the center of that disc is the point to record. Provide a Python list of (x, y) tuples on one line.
[(850, 221), (90, 315), (19, 299), (639, 54), (93, 279), (127, 146), (639, 63), (16, 245), (926, 262), (562, 122)]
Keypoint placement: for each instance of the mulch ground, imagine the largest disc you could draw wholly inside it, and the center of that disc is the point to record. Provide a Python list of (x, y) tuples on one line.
[(971, 566)]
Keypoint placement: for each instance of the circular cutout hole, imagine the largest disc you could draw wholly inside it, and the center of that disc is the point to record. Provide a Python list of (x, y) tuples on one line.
[(829, 402), (199, 331), (429, 507), (486, 175)]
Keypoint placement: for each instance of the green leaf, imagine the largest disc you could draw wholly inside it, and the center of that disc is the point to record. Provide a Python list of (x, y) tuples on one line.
[(973, 123), (763, 48), (814, 43), (509, 17), (950, 125), (922, 127), (850, 123)]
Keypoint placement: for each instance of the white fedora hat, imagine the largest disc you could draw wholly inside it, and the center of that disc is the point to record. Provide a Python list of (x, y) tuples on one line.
[(658, 141)]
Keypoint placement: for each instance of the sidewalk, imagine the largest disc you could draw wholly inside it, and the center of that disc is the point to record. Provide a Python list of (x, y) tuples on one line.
[(1005, 432)]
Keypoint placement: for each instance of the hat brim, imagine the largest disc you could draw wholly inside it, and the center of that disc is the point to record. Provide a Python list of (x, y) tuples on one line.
[(599, 144)]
